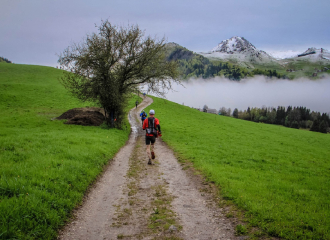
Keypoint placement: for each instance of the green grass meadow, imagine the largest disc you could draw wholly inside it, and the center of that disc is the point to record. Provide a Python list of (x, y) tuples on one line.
[(45, 166), (278, 176)]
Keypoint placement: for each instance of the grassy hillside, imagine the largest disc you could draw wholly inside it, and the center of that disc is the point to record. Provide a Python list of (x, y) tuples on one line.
[(304, 68), (279, 176), (45, 166)]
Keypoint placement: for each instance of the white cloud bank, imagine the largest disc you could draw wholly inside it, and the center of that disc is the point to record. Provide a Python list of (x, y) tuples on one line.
[(255, 92), (284, 54)]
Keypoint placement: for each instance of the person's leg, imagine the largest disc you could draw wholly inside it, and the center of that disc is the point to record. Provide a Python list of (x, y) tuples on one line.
[(153, 141), (152, 151), (148, 149)]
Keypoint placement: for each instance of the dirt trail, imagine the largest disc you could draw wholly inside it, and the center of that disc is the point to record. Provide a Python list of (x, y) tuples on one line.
[(133, 200)]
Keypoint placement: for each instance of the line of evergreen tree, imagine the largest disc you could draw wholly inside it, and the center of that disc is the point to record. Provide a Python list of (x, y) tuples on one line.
[(293, 117), (268, 72), (2, 59)]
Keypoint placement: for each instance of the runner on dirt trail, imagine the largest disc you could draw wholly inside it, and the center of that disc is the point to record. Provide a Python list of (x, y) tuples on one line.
[(136, 103), (143, 116), (151, 124)]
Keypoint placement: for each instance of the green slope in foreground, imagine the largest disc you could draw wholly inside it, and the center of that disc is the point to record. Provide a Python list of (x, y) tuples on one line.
[(279, 176), (45, 166)]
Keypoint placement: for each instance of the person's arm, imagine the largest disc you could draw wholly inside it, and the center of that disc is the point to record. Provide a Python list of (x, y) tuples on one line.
[(157, 125)]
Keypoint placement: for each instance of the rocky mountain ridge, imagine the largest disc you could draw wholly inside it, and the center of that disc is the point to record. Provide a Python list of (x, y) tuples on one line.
[(234, 44), (237, 58), (240, 50)]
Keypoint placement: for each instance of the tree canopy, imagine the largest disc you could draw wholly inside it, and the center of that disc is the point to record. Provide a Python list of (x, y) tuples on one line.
[(112, 63)]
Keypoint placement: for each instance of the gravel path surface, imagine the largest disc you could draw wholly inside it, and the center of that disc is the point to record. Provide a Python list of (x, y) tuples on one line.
[(133, 200)]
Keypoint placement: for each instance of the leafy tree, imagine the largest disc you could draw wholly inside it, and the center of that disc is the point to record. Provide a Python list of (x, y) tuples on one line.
[(280, 115), (205, 108), (111, 64), (271, 115), (316, 125), (263, 119), (228, 111), (323, 127), (315, 115), (293, 116), (235, 113), (254, 113), (320, 124), (224, 111)]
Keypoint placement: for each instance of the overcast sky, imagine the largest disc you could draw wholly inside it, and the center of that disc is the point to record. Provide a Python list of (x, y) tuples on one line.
[(34, 31)]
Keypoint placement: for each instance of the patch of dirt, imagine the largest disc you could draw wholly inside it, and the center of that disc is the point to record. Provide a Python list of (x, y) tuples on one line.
[(84, 116)]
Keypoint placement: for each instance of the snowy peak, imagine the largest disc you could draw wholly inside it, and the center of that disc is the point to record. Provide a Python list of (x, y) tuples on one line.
[(239, 50), (234, 45)]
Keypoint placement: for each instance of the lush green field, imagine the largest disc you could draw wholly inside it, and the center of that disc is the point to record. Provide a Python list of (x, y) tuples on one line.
[(45, 166), (305, 68), (279, 176)]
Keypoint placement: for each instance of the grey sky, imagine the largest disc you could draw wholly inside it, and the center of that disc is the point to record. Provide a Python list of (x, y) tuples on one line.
[(33, 31)]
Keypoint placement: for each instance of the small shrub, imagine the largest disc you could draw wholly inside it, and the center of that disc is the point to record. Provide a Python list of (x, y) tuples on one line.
[(240, 230)]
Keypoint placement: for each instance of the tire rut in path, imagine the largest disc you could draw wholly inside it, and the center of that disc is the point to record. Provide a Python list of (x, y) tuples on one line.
[(133, 200)]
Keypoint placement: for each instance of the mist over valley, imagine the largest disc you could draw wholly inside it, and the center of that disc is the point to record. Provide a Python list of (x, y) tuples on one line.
[(253, 92)]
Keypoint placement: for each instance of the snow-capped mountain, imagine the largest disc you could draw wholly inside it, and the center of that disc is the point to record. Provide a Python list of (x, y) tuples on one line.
[(239, 49), (233, 45), (315, 54)]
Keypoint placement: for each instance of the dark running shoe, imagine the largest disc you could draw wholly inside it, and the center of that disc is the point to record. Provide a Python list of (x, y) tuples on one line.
[(149, 162), (152, 155)]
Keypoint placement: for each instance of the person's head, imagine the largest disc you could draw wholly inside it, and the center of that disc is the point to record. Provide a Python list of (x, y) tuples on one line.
[(152, 112)]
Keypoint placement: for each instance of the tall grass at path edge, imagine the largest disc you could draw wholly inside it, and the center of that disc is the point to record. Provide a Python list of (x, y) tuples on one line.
[(278, 176), (45, 166)]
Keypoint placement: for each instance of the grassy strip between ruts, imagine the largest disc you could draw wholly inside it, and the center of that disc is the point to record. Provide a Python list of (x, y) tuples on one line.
[(279, 176), (46, 166)]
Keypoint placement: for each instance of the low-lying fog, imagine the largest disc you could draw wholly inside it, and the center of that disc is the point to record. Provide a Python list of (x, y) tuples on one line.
[(254, 92)]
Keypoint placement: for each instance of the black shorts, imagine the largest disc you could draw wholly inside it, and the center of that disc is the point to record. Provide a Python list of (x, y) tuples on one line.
[(150, 139)]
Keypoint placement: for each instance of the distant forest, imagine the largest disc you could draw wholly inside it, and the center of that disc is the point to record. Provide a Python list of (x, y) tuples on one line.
[(2, 59), (293, 117), (195, 65)]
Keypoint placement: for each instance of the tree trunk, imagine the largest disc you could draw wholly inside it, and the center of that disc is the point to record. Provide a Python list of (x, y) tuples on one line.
[(111, 119)]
